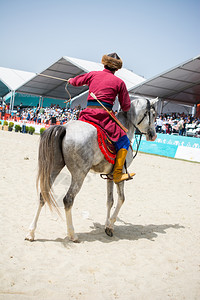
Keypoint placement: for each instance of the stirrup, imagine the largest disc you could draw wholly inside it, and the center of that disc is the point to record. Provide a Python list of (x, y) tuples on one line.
[(107, 176), (121, 179), (129, 176)]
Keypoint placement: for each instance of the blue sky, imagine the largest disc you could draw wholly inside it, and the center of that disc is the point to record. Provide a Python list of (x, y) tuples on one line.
[(151, 36)]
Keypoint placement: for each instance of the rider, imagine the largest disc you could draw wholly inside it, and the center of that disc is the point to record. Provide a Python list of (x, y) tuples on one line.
[(106, 86)]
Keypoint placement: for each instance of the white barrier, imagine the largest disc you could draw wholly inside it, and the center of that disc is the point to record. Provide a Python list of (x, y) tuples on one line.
[(174, 146)]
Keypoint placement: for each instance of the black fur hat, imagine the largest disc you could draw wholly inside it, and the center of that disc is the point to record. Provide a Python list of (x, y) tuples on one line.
[(113, 61)]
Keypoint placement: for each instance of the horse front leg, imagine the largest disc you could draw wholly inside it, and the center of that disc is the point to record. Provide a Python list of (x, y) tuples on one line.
[(110, 202), (31, 232), (121, 198)]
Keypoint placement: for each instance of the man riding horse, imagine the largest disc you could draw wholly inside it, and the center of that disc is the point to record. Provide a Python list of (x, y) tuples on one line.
[(106, 87)]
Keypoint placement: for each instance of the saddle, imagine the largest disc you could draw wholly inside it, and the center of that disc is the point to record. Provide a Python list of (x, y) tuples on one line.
[(105, 144)]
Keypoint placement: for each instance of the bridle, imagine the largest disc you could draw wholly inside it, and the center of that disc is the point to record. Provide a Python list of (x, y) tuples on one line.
[(138, 131), (148, 112)]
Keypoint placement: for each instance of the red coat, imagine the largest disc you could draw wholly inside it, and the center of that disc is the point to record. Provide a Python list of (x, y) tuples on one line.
[(106, 87)]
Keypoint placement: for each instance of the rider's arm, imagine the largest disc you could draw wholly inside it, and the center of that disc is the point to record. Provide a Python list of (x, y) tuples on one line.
[(123, 97), (80, 80)]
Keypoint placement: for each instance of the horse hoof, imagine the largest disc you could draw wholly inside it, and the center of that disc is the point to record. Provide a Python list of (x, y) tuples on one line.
[(29, 237), (74, 239), (109, 231)]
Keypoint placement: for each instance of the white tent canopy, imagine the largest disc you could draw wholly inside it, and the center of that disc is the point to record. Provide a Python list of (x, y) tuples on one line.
[(4, 90), (11, 79), (65, 68), (180, 84)]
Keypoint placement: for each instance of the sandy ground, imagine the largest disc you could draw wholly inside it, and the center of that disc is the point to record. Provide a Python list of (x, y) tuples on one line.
[(154, 253)]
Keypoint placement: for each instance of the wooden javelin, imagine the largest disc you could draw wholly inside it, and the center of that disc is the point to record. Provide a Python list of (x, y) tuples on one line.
[(53, 77)]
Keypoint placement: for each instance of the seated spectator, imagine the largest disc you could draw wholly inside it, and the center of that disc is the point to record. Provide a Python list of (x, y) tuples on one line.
[(180, 126), (53, 120), (159, 124)]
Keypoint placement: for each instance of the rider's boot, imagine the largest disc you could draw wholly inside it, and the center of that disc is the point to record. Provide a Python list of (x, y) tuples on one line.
[(118, 176)]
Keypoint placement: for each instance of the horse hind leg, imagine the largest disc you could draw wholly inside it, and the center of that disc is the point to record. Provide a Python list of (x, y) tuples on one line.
[(76, 184), (31, 232)]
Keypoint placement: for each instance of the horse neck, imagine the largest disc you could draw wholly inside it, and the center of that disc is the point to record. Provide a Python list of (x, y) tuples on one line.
[(124, 118), (133, 116)]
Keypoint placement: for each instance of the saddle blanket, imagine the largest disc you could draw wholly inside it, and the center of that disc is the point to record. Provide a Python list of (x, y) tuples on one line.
[(105, 144)]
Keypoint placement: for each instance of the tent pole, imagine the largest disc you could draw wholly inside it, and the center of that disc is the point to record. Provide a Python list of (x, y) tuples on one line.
[(160, 107), (13, 100), (39, 101), (194, 110), (10, 106)]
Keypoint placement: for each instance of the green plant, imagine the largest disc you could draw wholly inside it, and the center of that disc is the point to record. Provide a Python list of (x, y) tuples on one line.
[(0, 122), (5, 123), (17, 128), (11, 124), (27, 129), (42, 130), (31, 129)]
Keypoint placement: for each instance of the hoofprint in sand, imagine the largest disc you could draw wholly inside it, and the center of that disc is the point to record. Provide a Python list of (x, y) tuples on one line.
[(154, 253)]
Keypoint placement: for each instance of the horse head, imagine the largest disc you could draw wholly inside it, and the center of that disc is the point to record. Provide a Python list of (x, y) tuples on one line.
[(142, 115)]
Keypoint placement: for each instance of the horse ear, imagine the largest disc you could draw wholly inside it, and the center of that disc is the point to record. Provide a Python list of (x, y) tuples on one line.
[(154, 101)]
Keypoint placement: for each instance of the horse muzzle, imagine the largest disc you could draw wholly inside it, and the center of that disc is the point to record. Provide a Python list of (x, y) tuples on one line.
[(151, 135)]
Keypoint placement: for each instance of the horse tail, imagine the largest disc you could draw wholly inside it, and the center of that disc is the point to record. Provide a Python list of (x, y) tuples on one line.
[(50, 141)]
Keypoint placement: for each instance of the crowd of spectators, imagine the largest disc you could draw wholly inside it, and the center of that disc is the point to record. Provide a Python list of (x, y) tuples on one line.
[(177, 123), (47, 115), (174, 123)]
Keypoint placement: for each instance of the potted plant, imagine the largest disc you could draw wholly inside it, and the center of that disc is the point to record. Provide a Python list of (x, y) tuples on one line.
[(1, 126), (5, 125), (17, 128), (10, 126), (27, 129), (31, 130), (42, 130)]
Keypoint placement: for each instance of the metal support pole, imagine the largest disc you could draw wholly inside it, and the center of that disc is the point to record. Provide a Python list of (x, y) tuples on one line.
[(13, 100), (39, 101), (160, 106), (194, 110)]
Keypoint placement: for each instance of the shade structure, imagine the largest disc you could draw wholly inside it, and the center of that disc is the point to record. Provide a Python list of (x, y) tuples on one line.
[(11, 79), (3, 89), (65, 68), (180, 84)]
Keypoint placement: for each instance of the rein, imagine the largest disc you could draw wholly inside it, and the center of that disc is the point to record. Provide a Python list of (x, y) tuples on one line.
[(138, 143)]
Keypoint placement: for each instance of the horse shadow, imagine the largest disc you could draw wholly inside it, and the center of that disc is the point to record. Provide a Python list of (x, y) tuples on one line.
[(125, 231)]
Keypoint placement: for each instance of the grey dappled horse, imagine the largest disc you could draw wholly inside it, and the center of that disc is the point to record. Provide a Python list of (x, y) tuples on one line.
[(75, 145)]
